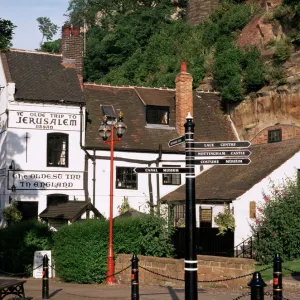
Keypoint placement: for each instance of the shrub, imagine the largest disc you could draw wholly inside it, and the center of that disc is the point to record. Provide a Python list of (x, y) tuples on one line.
[(80, 249), (277, 228), (19, 241), (12, 214), (225, 220), (282, 50)]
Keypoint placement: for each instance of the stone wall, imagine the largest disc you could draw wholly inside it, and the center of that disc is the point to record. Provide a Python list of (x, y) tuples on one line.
[(199, 10), (209, 268)]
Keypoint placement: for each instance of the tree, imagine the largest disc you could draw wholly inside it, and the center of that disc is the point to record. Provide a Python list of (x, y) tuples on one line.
[(277, 226), (51, 46), (47, 28), (6, 32)]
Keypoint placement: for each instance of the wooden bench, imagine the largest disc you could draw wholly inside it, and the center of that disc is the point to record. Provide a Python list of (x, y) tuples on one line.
[(12, 287)]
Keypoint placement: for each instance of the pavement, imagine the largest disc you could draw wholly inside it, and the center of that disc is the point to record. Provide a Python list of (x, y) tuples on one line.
[(65, 291)]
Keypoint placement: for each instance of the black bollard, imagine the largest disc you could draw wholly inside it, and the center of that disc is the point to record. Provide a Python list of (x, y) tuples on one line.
[(257, 287), (45, 288), (277, 277), (135, 295)]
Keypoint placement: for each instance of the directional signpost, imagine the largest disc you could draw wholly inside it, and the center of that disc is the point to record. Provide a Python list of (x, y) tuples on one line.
[(223, 161), (225, 153), (161, 170), (229, 144), (244, 153), (176, 141)]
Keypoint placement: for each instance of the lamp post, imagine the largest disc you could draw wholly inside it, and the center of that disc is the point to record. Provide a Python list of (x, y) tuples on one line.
[(107, 131)]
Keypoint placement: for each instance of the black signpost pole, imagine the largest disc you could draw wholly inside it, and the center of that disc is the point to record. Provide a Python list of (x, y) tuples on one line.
[(190, 262)]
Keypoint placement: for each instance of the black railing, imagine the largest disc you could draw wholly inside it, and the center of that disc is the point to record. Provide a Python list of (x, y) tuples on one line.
[(243, 249)]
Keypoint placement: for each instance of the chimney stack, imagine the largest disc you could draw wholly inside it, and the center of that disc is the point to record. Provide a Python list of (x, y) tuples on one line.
[(184, 97), (72, 49)]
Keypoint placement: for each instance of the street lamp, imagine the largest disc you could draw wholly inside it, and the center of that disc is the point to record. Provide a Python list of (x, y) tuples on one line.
[(107, 131)]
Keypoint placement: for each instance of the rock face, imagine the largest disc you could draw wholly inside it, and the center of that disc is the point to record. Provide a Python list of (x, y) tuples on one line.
[(253, 116)]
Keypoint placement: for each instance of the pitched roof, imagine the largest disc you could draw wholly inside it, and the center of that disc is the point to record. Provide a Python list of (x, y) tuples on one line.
[(130, 213), (230, 182), (42, 77), (211, 122), (71, 210)]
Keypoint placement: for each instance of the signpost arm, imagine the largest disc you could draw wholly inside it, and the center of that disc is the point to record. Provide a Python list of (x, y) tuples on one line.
[(190, 262)]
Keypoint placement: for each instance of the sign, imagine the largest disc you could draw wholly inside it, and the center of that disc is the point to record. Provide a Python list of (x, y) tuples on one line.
[(244, 153), (38, 260), (170, 170), (39, 180), (228, 144), (176, 141), (223, 161), (3, 118), (44, 120)]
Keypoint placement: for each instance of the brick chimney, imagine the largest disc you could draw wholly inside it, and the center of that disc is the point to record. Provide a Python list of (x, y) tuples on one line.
[(184, 97), (72, 48)]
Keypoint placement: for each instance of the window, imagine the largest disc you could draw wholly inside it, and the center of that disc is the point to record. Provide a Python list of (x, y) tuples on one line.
[(157, 115), (205, 217), (252, 210), (274, 136), (109, 112), (126, 178), (179, 212), (57, 150), (171, 179)]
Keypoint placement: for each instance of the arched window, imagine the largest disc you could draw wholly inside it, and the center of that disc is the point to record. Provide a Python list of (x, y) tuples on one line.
[(57, 149)]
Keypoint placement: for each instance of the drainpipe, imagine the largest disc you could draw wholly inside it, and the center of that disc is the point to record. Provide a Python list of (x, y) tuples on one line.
[(92, 158), (157, 179)]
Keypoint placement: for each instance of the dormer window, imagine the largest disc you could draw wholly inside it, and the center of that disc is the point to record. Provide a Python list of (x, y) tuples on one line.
[(274, 136), (109, 112), (157, 115)]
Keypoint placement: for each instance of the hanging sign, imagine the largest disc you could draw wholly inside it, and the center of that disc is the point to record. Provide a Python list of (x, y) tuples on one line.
[(44, 120)]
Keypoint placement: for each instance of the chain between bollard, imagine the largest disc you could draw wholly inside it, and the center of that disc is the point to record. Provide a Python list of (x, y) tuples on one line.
[(19, 274), (203, 281), (242, 296), (274, 296)]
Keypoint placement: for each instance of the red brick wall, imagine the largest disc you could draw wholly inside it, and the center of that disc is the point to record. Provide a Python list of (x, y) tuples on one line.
[(288, 132), (209, 268), (184, 97)]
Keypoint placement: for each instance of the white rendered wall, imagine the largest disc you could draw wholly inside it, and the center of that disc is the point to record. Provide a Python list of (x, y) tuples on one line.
[(32, 183), (241, 205), (139, 198)]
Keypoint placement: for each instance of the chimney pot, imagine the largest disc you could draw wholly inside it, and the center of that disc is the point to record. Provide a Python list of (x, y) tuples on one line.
[(75, 30), (66, 30), (183, 67)]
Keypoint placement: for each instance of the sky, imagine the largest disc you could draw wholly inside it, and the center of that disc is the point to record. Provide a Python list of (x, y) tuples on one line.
[(23, 14)]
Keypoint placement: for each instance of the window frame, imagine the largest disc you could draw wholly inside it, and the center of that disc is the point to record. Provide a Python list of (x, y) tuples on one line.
[(252, 210), (62, 136), (112, 115), (124, 186), (166, 175), (273, 137), (158, 109), (205, 223)]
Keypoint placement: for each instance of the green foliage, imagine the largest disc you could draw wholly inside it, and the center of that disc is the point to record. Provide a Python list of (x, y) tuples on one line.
[(12, 214), (125, 206), (51, 46), (225, 220), (47, 28), (282, 51), (6, 32), (80, 249), (147, 235), (277, 228), (139, 44), (19, 241), (274, 74)]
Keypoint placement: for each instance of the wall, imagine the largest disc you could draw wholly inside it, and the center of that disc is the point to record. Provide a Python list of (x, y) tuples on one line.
[(138, 198), (241, 205), (252, 116), (199, 10), (33, 179), (209, 268)]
